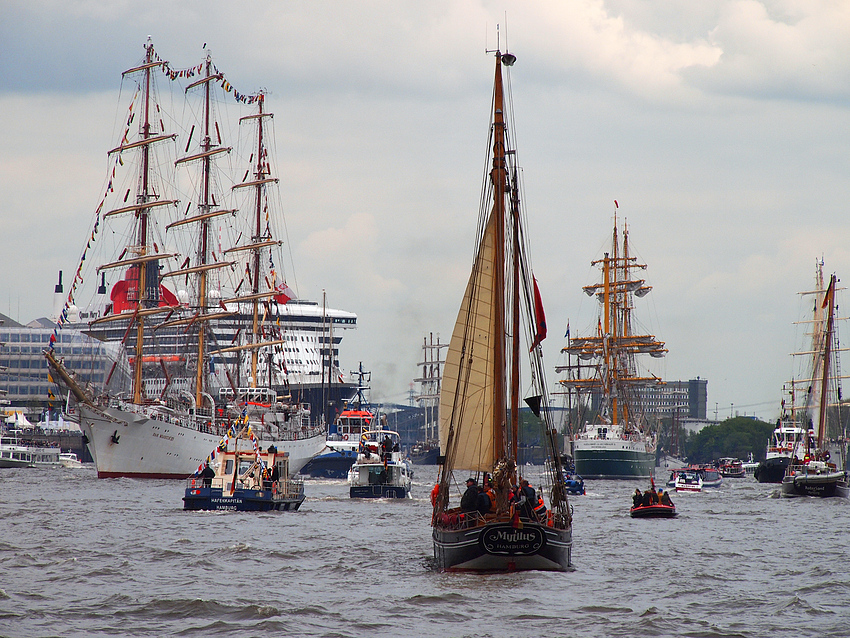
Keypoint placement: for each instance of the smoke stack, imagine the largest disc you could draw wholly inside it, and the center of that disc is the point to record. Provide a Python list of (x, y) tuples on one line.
[(58, 300)]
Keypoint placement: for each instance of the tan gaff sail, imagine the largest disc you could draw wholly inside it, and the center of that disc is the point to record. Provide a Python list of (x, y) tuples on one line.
[(466, 397)]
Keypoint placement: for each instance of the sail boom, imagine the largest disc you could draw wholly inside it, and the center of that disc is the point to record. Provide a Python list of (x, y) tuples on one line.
[(249, 346), (143, 67), (200, 218), (190, 320), (204, 80), (255, 116), (144, 142), (136, 260), (256, 182), (257, 246), (197, 269), (191, 158), (254, 297), (141, 207), (134, 314), (807, 352)]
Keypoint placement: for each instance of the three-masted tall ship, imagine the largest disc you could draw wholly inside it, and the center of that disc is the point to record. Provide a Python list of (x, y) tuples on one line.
[(215, 350), (499, 529), (810, 470), (602, 367)]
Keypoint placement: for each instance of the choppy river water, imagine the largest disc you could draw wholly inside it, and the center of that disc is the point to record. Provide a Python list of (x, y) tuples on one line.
[(86, 557)]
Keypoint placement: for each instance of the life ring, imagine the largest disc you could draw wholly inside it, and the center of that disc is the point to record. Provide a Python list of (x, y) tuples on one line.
[(344, 437)]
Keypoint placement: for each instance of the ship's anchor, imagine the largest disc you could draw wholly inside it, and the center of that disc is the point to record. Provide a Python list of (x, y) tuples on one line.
[(115, 437)]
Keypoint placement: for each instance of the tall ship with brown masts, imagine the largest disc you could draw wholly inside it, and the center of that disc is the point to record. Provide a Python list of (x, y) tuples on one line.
[(810, 469), (617, 443), (229, 341), (506, 526)]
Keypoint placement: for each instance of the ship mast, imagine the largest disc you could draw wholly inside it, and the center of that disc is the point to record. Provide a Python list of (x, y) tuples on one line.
[(142, 288), (207, 207), (203, 239), (260, 240), (828, 301), (614, 345), (147, 279), (259, 177), (498, 177)]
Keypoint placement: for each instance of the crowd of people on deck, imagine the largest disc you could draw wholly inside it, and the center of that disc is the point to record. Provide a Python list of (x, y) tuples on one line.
[(482, 499), (651, 497)]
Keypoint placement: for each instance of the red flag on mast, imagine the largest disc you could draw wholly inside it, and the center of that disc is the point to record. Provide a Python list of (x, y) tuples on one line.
[(539, 317)]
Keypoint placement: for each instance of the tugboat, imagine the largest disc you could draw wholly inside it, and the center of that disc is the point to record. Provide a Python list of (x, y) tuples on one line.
[(788, 433), (380, 470), (340, 451), (244, 479)]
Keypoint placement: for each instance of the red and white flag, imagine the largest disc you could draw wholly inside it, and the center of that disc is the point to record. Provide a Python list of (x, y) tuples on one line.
[(285, 293)]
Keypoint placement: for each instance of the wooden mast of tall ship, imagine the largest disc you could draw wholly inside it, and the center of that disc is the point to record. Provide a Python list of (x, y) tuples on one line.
[(260, 239), (207, 209), (479, 398), (146, 279)]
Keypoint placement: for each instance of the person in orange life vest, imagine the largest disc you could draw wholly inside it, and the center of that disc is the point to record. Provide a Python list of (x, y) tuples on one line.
[(486, 498), (540, 508)]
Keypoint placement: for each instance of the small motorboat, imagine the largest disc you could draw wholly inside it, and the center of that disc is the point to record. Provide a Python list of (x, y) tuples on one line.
[(69, 459), (688, 482), (708, 477), (731, 468), (653, 511), (574, 484), (380, 471)]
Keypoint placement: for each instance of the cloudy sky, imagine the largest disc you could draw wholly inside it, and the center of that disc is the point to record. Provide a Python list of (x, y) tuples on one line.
[(721, 127)]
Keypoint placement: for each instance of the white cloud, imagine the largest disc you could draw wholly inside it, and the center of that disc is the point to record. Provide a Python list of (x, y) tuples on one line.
[(719, 126)]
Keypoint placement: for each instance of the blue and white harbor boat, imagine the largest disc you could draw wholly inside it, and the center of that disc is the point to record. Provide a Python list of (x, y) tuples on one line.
[(380, 471), (239, 476)]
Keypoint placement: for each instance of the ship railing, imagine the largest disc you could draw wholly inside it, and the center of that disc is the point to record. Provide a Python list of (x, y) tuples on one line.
[(290, 488), (196, 482), (455, 519)]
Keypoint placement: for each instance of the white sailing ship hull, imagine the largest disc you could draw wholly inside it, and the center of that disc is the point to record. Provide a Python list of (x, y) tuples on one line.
[(127, 444)]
